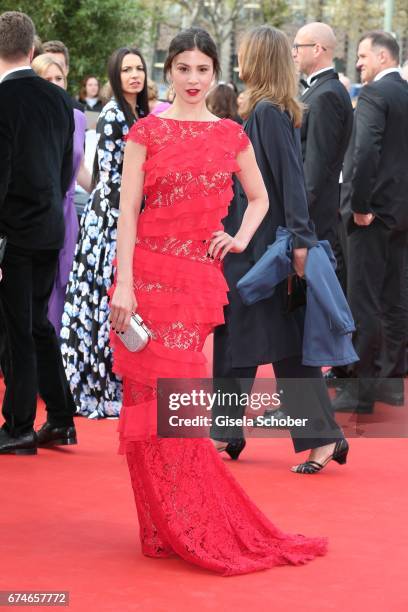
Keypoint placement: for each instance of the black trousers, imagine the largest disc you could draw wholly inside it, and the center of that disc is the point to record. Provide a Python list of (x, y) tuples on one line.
[(31, 359), (301, 400), (378, 297)]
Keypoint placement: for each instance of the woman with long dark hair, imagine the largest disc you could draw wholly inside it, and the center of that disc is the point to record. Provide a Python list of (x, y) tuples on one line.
[(169, 269), (85, 350), (269, 332)]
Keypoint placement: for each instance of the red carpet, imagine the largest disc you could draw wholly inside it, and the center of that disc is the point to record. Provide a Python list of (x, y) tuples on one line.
[(68, 523)]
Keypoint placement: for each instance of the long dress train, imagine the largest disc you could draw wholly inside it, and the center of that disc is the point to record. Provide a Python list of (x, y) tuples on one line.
[(188, 503)]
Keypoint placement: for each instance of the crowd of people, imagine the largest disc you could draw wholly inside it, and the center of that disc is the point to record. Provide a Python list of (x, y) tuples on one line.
[(187, 197)]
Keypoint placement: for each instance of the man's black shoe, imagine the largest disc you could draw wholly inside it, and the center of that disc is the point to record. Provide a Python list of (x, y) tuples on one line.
[(25, 444), (49, 435), (390, 391), (345, 401)]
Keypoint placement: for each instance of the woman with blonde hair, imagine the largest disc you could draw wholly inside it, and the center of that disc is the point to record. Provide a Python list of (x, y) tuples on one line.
[(267, 332), (51, 70)]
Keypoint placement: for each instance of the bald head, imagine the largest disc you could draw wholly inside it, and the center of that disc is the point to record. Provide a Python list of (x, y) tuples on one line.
[(314, 47), (320, 33)]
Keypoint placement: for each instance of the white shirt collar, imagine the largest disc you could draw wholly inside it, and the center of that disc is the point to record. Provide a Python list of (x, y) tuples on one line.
[(381, 74), (311, 76), (3, 76)]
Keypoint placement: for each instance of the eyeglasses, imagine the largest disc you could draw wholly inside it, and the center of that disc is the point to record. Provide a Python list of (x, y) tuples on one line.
[(296, 46)]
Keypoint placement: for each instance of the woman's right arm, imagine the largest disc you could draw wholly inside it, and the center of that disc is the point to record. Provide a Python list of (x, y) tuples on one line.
[(123, 301)]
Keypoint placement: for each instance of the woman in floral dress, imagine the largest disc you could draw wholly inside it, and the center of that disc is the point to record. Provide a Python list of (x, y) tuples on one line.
[(85, 327)]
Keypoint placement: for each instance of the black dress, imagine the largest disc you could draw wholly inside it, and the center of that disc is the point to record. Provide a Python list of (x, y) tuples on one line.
[(265, 332)]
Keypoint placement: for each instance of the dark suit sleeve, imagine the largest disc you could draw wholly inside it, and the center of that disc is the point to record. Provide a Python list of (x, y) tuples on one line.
[(325, 125), (281, 146), (6, 144), (369, 126), (67, 162)]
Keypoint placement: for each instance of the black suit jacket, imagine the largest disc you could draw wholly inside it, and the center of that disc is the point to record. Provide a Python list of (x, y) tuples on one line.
[(263, 332), (325, 134), (36, 141), (376, 163)]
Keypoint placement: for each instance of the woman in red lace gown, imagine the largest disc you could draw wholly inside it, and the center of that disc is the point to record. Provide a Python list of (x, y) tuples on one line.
[(188, 503)]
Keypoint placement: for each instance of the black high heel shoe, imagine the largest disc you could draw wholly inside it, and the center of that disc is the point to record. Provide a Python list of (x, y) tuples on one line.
[(339, 454), (234, 448)]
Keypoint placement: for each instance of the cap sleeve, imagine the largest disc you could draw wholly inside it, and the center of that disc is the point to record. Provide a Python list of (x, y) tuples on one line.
[(139, 132), (240, 140)]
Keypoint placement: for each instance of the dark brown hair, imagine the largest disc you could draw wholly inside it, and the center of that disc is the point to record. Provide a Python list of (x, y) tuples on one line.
[(383, 39), (38, 50), (56, 46), (222, 101), (142, 105), (114, 75), (82, 91), (16, 35), (187, 40)]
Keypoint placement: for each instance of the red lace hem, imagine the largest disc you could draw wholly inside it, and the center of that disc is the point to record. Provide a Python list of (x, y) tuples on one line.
[(137, 422), (189, 503)]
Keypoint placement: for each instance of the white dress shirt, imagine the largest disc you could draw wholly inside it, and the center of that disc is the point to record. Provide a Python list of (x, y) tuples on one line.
[(311, 76), (3, 76), (381, 74)]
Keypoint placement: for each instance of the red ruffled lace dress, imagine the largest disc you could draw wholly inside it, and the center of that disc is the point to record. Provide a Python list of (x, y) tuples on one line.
[(187, 501)]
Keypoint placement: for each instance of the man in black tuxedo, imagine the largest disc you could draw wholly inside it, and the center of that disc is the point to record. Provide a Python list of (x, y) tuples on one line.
[(326, 126), (375, 210), (36, 141)]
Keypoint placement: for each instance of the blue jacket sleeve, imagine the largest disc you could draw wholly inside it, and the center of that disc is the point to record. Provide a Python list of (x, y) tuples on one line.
[(272, 268), (322, 281)]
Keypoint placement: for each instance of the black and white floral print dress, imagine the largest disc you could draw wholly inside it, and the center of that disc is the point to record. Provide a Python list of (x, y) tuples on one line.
[(85, 325)]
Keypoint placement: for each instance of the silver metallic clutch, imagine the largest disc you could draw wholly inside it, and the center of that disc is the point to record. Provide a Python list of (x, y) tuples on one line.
[(137, 335)]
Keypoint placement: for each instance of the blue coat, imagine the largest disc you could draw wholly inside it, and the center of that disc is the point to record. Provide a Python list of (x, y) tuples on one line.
[(328, 326)]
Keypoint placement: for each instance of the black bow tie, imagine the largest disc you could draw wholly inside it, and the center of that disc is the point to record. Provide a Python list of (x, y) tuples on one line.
[(315, 77), (304, 83)]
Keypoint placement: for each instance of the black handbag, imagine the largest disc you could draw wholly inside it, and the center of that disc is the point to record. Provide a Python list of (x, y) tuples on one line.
[(3, 242), (295, 292)]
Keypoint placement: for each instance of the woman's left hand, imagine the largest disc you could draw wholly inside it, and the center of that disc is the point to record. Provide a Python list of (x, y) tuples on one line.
[(299, 261), (222, 243)]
